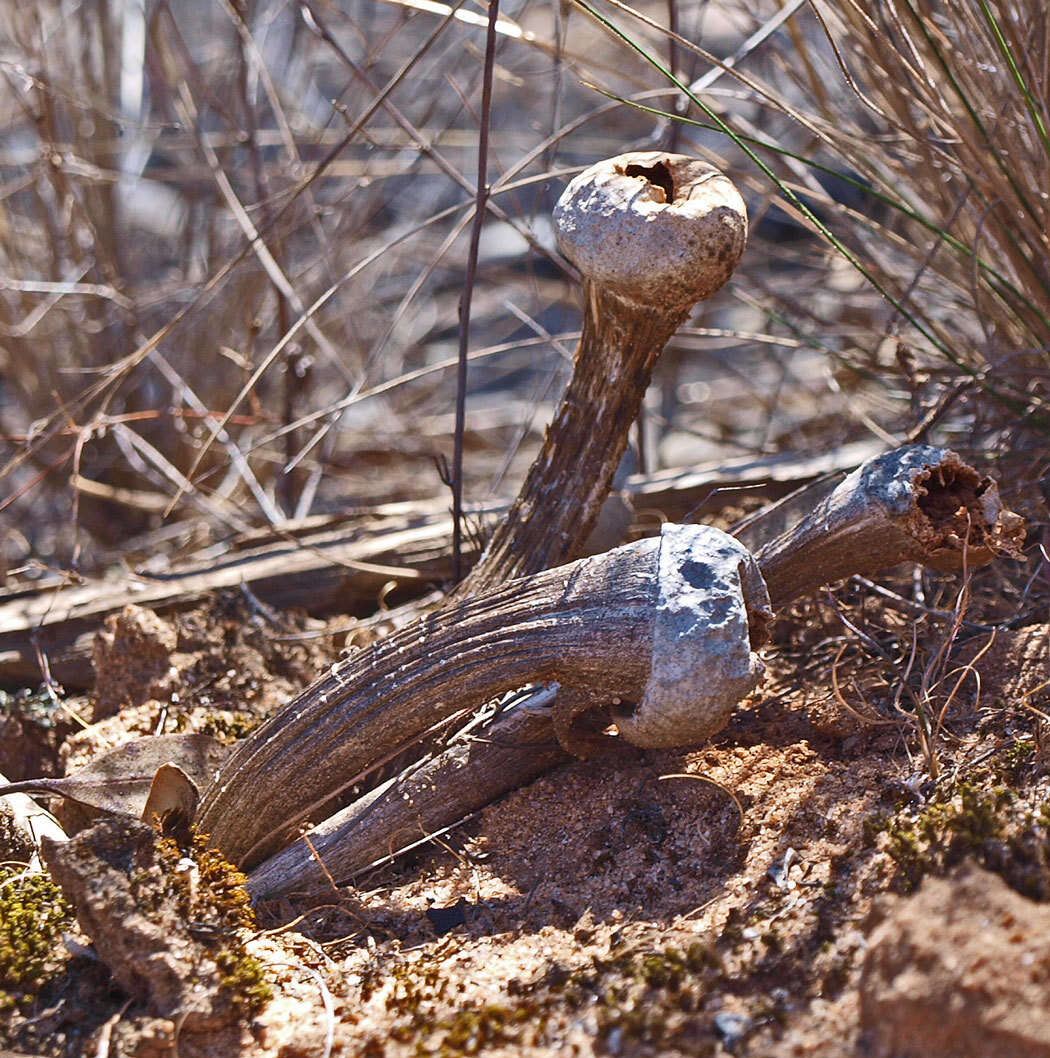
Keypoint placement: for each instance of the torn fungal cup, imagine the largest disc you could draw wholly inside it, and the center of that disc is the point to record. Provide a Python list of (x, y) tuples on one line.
[(712, 612)]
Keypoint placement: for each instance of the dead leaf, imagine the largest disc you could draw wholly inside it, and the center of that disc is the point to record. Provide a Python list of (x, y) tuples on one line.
[(119, 782), (172, 799)]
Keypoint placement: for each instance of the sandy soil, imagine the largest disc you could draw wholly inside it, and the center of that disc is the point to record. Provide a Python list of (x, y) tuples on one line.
[(718, 900)]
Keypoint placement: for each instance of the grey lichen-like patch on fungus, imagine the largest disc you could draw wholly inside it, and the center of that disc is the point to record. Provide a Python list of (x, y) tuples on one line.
[(711, 610), (616, 222)]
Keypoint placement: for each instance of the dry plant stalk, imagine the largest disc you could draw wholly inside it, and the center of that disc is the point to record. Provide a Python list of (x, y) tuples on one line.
[(958, 91), (907, 505)]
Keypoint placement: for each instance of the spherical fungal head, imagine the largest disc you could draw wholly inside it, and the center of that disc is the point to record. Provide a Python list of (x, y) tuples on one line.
[(658, 229)]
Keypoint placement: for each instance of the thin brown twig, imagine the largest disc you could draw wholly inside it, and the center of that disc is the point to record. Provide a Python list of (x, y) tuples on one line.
[(480, 201)]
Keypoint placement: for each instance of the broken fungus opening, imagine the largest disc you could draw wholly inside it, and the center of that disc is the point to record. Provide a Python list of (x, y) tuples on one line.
[(658, 174), (949, 497)]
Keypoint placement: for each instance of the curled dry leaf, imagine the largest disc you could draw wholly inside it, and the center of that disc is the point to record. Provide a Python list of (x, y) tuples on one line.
[(120, 782)]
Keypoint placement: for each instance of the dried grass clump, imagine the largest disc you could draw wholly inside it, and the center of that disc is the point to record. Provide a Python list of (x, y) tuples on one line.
[(946, 123), (233, 242)]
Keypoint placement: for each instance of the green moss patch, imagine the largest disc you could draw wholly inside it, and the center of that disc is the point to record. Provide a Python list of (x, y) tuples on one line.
[(33, 916), (978, 818), (217, 906)]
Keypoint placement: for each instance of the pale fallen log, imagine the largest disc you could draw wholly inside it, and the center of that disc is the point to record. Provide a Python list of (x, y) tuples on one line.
[(339, 568), (918, 504)]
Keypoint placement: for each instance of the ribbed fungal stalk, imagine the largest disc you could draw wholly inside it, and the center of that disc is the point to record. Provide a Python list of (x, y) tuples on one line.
[(915, 504), (597, 624), (918, 504), (651, 234), (687, 664)]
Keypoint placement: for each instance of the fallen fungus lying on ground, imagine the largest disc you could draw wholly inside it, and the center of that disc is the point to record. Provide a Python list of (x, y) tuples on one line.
[(658, 637), (915, 504), (603, 625), (918, 503), (652, 233)]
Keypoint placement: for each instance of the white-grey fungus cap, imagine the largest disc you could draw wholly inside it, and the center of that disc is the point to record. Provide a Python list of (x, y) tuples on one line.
[(659, 229), (712, 608)]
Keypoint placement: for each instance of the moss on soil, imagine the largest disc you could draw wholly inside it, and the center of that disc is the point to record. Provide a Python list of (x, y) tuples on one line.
[(978, 817), (217, 905), (33, 916), (646, 997)]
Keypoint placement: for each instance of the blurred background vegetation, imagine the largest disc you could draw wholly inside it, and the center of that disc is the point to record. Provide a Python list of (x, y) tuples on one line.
[(233, 239)]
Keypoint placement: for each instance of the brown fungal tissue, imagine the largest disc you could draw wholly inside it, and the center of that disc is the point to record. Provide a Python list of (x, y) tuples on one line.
[(668, 632), (874, 519), (948, 497), (652, 233), (914, 504), (662, 623)]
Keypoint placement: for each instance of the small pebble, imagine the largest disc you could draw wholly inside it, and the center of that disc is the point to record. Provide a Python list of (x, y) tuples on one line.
[(732, 1028)]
